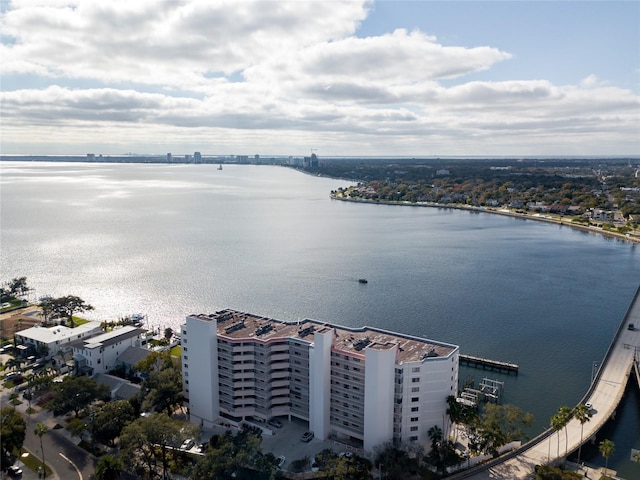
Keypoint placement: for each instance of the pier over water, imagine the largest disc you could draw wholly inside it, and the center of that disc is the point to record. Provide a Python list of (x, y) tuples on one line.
[(604, 394)]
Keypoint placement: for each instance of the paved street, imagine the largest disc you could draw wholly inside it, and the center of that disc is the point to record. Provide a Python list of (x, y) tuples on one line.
[(55, 443)]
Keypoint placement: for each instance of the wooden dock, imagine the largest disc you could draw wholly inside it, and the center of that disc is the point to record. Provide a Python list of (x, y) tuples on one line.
[(487, 364)]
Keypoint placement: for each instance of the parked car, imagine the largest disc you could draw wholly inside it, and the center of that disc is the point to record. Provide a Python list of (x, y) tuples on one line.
[(188, 444), (281, 459), (14, 377), (38, 365), (306, 437), (275, 423), (14, 471)]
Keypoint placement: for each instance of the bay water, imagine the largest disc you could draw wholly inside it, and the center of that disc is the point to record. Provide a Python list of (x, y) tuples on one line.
[(170, 240)]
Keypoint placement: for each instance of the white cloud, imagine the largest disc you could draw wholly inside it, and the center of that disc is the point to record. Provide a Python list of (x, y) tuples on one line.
[(168, 42), (279, 76)]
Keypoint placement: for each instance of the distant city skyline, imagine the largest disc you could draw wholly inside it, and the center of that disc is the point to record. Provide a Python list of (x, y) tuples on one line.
[(402, 78)]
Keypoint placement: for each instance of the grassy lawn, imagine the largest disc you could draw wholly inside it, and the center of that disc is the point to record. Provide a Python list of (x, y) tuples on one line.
[(32, 462), (176, 351), (77, 321)]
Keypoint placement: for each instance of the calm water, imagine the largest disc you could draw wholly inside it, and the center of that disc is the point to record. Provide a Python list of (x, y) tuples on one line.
[(178, 239)]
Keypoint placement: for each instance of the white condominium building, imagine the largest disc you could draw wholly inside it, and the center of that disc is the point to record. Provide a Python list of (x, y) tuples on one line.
[(364, 386)]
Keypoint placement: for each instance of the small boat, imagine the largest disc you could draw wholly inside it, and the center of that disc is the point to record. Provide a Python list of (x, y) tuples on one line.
[(219, 167), (362, 280)]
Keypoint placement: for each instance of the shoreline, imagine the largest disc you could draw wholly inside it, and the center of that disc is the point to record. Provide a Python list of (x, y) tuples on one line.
[(635, 239)]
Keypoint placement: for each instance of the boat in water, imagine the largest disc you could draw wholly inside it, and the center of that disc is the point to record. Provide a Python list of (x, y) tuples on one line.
[(362, 280), (219, 167)]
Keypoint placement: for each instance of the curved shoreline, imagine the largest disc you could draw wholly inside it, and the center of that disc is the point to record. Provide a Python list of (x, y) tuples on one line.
[(504, 212)]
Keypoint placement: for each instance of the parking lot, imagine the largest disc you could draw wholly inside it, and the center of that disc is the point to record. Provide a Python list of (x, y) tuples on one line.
[(287, 441)]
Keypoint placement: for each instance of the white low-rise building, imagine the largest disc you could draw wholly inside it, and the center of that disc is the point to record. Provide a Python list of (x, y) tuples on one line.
[(98, 354), (57, 338), (362, 386)]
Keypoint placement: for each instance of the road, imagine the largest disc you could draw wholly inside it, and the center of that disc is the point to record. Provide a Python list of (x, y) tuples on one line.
[(54, 443)]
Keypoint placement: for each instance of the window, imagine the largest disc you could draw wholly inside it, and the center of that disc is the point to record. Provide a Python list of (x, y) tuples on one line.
[(414, 409), (415, 399), (415, 380), (413, 439), (415, 419), (414, 429), (415, 370), (415, 389)]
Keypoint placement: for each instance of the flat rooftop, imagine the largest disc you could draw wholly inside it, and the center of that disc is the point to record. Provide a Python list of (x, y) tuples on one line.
[(58, 332), (116, 335), (237, 326)]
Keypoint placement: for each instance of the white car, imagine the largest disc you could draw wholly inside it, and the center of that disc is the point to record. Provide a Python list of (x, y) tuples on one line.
[(188, 444), (281, 459)]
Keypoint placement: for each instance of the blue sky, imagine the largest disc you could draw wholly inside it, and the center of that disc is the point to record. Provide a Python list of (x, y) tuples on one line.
[(346, 78)]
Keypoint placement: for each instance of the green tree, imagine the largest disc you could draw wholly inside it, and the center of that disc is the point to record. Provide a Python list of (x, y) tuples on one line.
[(109, 420), (76, 393), (156, 362), (501, 424), (109, 468), (557, 423), (564, 414), (65, 307), (18, 286), (163, 390), (12, 433), (460, 413), (394, 462), (583, 414), (144, 442), (40, 430), (168, 333), (607, 449), (229, 453)]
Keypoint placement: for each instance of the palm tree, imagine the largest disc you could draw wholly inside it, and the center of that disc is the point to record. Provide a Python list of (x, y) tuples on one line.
[(109, 468), (583, 415), (435, 434), (606, 447), (556, 424), (565, 413), (40, 430)]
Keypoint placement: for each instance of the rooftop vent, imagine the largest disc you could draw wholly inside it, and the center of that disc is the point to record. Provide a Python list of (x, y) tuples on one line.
[(234, 327), (264, 329), (361, 343), (303, 332)]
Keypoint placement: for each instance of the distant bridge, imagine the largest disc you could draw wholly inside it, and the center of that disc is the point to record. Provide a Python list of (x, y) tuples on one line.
[(604, 395)]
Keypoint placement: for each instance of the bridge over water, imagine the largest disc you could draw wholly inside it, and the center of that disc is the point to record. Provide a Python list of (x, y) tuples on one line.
[(605, 394)]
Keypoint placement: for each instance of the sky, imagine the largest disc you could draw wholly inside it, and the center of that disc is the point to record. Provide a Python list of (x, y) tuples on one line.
[(339, 78)]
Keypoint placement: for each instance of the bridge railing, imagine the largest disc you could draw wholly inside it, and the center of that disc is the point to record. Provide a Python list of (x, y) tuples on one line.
[(611, 347)]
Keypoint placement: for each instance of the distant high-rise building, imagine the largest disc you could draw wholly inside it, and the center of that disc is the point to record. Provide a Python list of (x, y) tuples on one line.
[(91, 157), (187, 158), (197, 157), (169, 157)]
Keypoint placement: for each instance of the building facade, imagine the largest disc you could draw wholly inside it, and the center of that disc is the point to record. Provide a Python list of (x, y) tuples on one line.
[(99, 354), (362, 386), (56, 339)]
